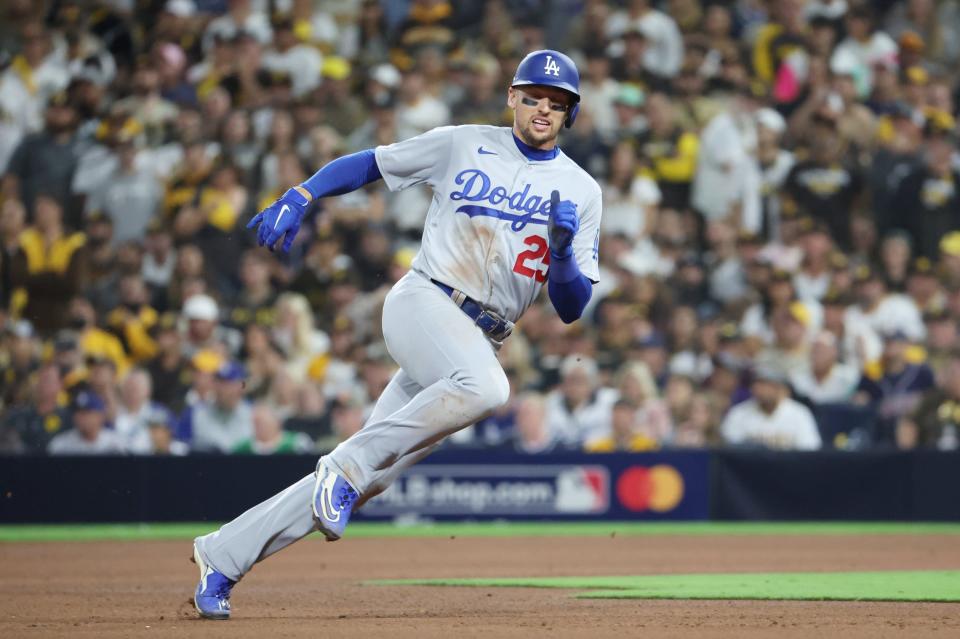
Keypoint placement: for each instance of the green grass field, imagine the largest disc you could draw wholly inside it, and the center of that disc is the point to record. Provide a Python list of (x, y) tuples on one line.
[(912, 585), (360, 530)]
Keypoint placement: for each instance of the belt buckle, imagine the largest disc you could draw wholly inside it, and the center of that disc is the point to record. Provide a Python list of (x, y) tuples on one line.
[(501, 328)]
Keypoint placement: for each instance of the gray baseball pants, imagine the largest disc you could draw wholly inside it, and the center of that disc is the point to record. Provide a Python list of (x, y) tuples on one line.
[(449, 378)]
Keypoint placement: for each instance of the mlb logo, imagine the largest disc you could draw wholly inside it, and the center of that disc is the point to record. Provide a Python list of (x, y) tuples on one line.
[(583, 489)]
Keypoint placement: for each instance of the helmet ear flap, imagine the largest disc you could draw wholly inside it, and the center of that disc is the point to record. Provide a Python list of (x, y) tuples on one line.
[(572, 115)]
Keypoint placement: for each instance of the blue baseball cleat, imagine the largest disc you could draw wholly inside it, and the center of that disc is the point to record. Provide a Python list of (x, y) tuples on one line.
[(212, 597), (333, 499)]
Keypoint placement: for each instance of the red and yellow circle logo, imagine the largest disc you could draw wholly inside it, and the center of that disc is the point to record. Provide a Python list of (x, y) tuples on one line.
[(658, 488)]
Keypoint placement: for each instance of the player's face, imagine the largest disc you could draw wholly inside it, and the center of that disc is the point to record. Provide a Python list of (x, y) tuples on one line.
[(538, 114)]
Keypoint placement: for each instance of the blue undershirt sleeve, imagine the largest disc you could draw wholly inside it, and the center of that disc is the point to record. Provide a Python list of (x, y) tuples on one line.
[(345, 174), (569, 289)]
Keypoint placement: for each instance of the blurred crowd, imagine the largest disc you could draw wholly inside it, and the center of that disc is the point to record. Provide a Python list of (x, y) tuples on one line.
[(780, 246)]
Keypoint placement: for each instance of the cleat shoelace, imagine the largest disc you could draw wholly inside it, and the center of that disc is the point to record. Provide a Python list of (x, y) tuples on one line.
[(221, 589), (347, 496)]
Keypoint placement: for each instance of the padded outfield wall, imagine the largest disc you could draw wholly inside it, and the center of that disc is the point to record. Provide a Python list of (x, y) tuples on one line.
[(480, 485)]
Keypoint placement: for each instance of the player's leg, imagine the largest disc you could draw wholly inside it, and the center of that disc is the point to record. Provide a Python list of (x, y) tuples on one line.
[(286, 517), (442, 350)]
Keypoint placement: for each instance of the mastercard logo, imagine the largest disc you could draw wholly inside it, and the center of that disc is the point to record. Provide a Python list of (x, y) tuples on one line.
[(658, 488)]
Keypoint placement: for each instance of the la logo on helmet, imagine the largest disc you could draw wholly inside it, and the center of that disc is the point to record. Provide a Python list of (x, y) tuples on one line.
[(551, 67)]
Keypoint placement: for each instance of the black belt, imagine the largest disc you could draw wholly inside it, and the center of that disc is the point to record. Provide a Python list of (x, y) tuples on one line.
[(497, 328)]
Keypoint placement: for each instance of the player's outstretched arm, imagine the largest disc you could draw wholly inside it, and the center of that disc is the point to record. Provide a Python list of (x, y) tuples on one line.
[(282, 218), (569, 289)]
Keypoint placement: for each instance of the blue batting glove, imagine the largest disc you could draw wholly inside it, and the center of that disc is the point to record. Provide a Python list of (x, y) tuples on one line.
[(281, 219), (563, 225)]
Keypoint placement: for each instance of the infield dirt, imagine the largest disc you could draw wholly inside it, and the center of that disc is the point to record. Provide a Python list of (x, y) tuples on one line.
[(314, 589)]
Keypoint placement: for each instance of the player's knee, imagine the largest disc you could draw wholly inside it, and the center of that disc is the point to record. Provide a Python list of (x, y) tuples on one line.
[(502, 395), (496, 391), (484, 392)]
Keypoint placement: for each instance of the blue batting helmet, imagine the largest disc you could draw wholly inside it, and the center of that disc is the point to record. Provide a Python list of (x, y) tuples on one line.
[(551, 69)]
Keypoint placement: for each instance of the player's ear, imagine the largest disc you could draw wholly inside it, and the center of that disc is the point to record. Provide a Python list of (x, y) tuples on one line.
[(511, 98)]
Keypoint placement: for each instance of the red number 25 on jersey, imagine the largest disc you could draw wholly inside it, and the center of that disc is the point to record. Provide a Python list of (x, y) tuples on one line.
[(537, 252)]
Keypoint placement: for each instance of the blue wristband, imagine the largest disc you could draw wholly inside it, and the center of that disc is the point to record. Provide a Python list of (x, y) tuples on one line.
[(563, 268), (569, 289)]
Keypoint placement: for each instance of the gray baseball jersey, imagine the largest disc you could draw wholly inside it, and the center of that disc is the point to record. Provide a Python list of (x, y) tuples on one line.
[(486, 230)]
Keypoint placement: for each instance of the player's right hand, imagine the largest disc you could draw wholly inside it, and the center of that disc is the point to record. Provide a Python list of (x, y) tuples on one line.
[(563, 225), (280, 220)]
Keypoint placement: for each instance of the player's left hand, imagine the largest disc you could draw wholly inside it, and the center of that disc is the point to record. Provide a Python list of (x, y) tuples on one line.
[(282, 218), (563, 225)]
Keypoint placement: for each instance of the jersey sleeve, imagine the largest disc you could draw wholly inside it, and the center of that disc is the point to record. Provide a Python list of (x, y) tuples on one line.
[(423, 159), (586, 243)]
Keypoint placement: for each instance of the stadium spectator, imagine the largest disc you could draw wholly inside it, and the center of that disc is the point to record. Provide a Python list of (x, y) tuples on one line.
[(859, 343), (651, 350), (169, 369), (160, 428), (346, 418), (635, 385), (630, 199), (203, 329), (927, 201), (663, 50), (935, 422), (894, 385), (33, 77), (579, 410), (727, 182), (133, 318), (482, 102), (159, 260), (943, 334), (255, 300), (29, 427), (269, 437), (812, 280), (923, 286), (134, 409), (624, 435), (930, 28), (823, 187), (344, 111), (88, 434), (531, 433), (21, 348), (789, 351), (771, 419), (47, 268), (94, 341), (884, 312), (222, 423), (669, 152), (288, 55), (130, 196), (774, 163), (599, 91), (776, 40), (700, 428), (895, 251), (824, 379), (100, 263), (865, 46), (241, 17), (101, 379), (628, 108)]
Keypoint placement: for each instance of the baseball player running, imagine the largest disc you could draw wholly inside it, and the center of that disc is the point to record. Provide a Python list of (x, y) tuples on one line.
[(510, 212)]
